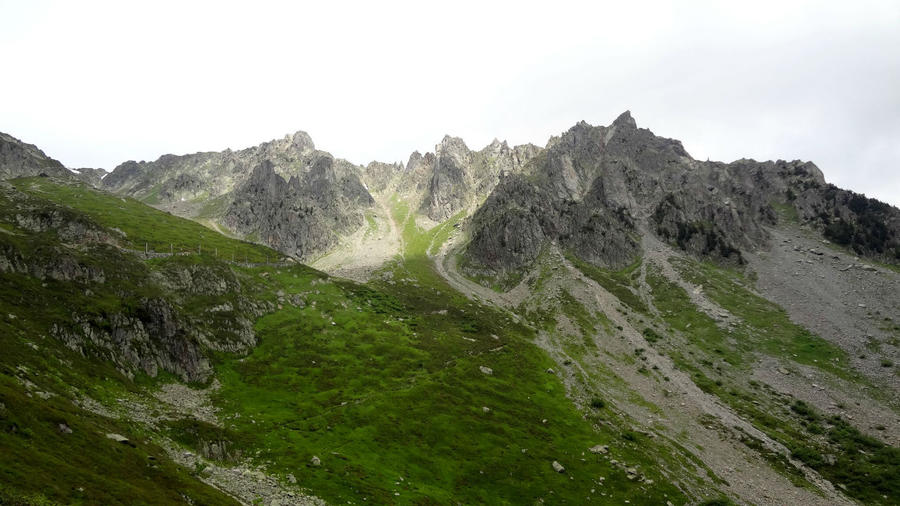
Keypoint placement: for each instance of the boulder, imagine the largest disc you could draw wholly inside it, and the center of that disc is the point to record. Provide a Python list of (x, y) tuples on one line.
[(600, 449)]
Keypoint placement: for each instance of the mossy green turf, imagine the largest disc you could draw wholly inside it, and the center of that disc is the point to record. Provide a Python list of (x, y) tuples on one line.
[(382, 381)]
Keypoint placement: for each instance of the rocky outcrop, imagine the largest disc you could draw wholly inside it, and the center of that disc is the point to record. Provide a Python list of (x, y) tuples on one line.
[(519, 218), (596, 190), (150, 340), (304, 215), (18, 159), (460, 177), (867, 226), (416, 174), (143, 317)]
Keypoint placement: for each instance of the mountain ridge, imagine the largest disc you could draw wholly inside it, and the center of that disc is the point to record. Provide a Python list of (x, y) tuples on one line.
[(725, 209)]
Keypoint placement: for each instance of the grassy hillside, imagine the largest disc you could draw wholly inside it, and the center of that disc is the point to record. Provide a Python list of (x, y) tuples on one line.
[(402, 390), (143, 227), (385, 384), (51, 450)]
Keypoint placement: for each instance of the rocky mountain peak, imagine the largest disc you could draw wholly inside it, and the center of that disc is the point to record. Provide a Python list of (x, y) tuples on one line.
[(301, 141), (460, 176), (415, 158), (625, 121), (452, 146)]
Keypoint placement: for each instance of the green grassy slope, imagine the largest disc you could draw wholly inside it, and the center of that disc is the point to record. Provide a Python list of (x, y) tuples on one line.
[(143, 226), (41, 379), (381, 382), (384, 385)]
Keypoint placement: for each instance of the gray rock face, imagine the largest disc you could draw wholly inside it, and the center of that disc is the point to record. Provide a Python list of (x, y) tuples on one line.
[(459, 176), (18, 159), (304, 215), (867, 226), (596, 190), (452, 178), (378, 175), (174, 178), (416, 174), (283, 193)]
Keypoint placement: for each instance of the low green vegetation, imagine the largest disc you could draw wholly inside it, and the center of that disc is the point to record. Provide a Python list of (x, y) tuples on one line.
[(52, 450), (863, 466), (388, 388), (142, 226), (405, 390)]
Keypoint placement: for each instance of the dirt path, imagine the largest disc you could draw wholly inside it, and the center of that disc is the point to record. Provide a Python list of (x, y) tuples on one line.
[(445, 264)]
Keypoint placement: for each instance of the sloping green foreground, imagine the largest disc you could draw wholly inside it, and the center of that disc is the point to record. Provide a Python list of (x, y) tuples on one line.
[(50, 449), (405, 390), (384, 383)]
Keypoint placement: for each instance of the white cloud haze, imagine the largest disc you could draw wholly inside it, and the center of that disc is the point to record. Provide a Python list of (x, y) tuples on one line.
[(97, 83)]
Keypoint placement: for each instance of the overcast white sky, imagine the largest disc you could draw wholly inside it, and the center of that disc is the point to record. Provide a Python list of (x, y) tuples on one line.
[(97, 83)]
